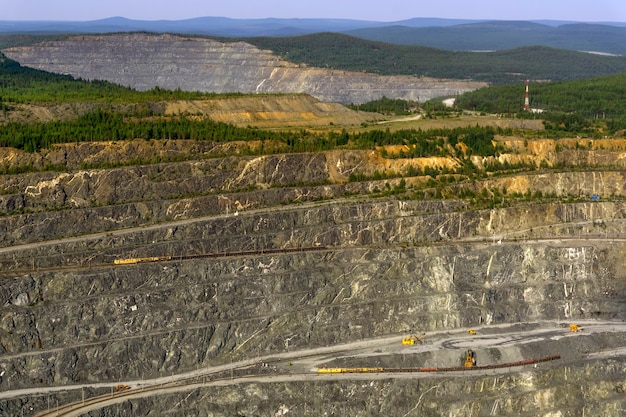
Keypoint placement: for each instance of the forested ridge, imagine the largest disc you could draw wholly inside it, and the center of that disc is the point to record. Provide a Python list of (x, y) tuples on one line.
[(25, 39), (340, 51), (501, 35), (332, 50)]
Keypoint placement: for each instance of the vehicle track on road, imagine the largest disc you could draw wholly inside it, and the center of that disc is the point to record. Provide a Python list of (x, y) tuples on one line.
[(288, 366)]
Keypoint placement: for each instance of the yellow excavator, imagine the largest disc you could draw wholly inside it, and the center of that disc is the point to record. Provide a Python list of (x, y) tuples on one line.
[(575, 328), (470, 359), (412, 340)]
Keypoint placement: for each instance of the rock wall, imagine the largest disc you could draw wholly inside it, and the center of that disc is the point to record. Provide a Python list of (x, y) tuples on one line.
[(100, 322), (109, 199), (145, 61), (383, 266)]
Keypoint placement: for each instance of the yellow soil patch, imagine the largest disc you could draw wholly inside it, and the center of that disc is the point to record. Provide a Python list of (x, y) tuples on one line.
[(272, 111)]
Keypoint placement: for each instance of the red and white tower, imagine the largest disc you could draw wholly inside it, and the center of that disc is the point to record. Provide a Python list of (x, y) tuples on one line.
[(526, 100)]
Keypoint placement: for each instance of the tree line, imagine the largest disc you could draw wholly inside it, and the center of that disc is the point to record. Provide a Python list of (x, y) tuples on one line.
[(388, 106), (108, 125)]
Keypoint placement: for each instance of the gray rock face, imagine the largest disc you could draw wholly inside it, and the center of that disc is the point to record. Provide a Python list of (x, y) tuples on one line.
[(102, 322), (69, 315), (105, 199), (192, 64)]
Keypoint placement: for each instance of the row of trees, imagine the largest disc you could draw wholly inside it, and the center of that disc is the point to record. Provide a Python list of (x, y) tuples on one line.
[(478, 140), (388, 106), (101, 125)]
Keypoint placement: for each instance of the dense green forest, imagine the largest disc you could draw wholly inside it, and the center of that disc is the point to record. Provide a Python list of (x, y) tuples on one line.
[(332, 50), (601, 96), (574, 105), (25, 39)]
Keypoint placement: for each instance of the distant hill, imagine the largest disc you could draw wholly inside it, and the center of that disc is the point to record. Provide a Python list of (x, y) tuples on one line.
[(491, 36), (333, 50), (215, 26), (320, 50), (448, 34)]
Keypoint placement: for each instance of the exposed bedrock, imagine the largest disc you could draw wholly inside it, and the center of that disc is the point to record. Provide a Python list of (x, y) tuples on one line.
[(144, 61)]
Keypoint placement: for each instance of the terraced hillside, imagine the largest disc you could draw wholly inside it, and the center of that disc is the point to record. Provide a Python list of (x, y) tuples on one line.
[(144, 61), (262, 258)]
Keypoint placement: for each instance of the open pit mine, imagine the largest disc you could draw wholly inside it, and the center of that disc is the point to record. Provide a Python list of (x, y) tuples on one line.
[(207, 280), (144, 61), (221, 287)]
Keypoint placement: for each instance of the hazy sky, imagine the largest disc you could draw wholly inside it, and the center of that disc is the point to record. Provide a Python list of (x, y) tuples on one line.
[(380, 10)]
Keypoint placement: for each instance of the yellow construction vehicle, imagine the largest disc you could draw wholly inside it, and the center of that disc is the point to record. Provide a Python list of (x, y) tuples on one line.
[(575, 328), (470, 359), (411, 340), (121, 387), (472, 332)]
